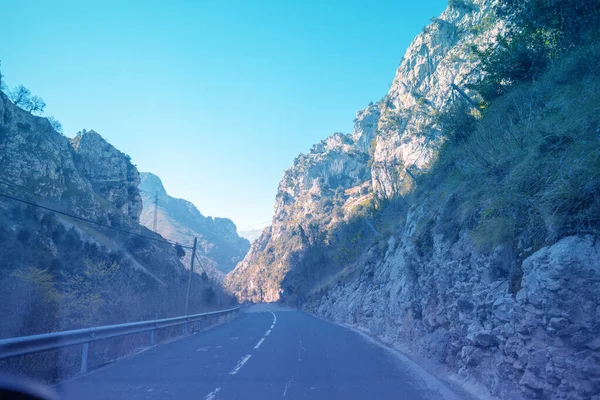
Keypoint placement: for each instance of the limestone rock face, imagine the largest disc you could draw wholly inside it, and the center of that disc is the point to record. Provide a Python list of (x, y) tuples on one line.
[(543, 342), (35, 157), (525, 325), (110, 172), (344, 172), (139, 275)]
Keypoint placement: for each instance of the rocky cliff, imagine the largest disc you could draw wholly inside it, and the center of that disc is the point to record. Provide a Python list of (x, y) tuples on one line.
[(110, 172), (63, 271), (346, 172), (460, 229), (179, 220)]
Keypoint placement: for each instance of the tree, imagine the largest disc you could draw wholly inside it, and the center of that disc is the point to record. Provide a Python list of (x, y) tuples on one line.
[(20, 95), (179, 250), (35, 105), (55, 124)]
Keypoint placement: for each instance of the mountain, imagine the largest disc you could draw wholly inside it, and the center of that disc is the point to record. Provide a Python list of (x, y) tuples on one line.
[(219, 245), (347, 173), (252, 233), (459, 221), (89, 262)]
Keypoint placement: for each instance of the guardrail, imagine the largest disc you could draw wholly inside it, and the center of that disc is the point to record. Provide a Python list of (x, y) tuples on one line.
[(21, 346)]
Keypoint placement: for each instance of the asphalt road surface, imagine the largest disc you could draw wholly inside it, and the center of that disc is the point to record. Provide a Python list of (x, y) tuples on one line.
[(266, 353)]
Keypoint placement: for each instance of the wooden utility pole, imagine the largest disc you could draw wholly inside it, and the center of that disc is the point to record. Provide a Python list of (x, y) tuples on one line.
[(155, 212), (187, 296)]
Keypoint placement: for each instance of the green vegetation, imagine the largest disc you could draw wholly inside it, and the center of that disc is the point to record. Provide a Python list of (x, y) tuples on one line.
[(521, 170), (525, 170), (538, 32)]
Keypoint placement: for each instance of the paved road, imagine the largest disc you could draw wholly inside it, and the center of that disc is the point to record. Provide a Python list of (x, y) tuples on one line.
[(262, 354)]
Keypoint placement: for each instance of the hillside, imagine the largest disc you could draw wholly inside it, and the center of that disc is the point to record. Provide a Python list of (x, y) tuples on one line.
[(219, 245), (460, 219), (94, 264)]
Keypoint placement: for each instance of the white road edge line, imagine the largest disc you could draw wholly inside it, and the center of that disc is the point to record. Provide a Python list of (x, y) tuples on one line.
[(240, 364), (259, 343), (212, 394)]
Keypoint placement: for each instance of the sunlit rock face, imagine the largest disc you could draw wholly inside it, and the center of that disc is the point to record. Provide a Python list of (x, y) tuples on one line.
[(326, 185), (442, 55), (524, 325)]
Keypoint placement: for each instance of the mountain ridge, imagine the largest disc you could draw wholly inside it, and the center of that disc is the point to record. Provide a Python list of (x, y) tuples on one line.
[(180, 221)]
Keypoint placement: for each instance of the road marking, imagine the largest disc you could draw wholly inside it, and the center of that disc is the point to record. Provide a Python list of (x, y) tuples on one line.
[(267, 333), (259, 343), (205, 348), (212, 394), (240, 364)]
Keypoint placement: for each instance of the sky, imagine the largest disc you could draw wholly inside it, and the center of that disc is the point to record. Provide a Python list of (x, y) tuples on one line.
[(215, 97)]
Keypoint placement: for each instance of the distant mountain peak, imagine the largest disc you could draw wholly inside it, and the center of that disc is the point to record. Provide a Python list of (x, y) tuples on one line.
[(179, 220)]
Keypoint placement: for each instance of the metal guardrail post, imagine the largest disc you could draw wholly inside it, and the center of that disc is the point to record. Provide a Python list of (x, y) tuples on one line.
[(152, 337), (84, 357), (185, 329), (201, 325)]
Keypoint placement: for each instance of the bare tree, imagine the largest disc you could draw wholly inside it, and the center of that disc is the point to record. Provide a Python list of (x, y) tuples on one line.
[(20, 96), (55, 124), (35, 104)]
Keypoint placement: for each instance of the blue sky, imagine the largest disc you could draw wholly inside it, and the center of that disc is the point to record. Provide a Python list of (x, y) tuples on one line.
[(215, 97)]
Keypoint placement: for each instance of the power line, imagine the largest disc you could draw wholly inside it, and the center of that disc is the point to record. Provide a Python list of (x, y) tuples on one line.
[(255, 226), (88, 220), (200, 263)]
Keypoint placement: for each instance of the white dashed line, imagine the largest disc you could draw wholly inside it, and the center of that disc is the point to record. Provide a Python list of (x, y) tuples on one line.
[(267, 333), (212, 394), (240, 364), (259, 343)]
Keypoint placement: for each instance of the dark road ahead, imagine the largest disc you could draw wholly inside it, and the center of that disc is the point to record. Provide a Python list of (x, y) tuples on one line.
[(261, 355)]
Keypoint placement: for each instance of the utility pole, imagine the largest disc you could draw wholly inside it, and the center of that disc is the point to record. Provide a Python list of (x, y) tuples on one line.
[(156, 214), (187, 296)]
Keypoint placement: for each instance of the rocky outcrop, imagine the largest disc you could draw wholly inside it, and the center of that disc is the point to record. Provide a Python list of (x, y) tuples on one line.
[(541, 343), (35, 157), (110, 172), (438, 58), (180, 221), (347, 172), (520, 316), (58, 272)]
